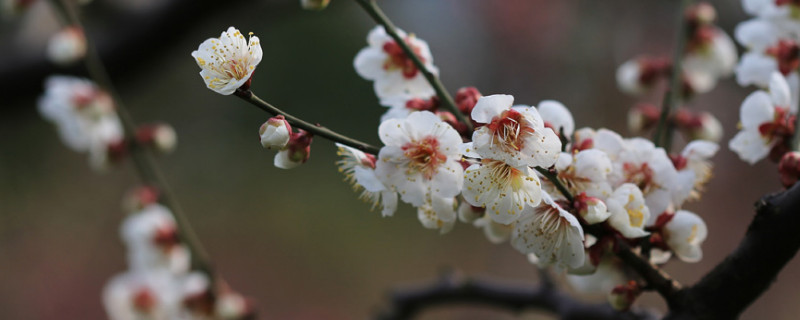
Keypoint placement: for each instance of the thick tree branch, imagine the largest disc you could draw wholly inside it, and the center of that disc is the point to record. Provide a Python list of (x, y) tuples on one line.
[(452, 291), (315, 129), (770, 242)]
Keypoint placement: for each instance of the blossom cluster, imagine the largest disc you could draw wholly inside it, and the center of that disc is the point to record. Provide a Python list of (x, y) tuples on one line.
[(768, 116), (524, 174), (159, 283)]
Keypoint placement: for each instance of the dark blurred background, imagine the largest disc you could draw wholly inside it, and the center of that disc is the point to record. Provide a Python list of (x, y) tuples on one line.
[(299, 241)]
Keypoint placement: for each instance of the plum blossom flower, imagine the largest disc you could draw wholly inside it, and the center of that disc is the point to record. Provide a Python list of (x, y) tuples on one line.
[(606, 276), (551, 233), (151, 236), (710, 52), (67, 46), (628, 211), (296, 152), (420, 158), (767, 121), (516, 136), (359, 170), (584, 171), (684, 234), (228, 62), (556, 116), (84, 116), (393, 72), (638, 76), (694, 168), (438, 213), (503, 190), (160, 136), (136, 295)]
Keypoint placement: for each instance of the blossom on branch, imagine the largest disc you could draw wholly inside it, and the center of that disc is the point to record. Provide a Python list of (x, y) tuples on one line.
[(359, 170), (393, 72), (228, 62)]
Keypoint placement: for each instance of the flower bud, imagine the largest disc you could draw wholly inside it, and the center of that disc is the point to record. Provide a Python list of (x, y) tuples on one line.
[(468, 213), (160, 137), (708, 128), (789, 168), (637, 76), (591, 209), (296, 152), (275, 133), (139, 198), (314, 4), (642, 117), (623, 296), (67, 46), (701, 13), (466, 98)]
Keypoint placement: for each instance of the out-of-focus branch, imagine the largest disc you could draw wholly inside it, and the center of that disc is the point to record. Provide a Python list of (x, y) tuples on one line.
[(144, 162), (452, 291), (374, 11), (663, 134), (770, 242), (655, 277), (315, 129)]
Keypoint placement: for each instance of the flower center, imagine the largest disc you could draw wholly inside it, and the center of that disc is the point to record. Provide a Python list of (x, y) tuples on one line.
[(787, 52), (143, 300), (574, 183), (424, 156), (504, 175), (635, 215), (398, 60), (641, 176), (509, 131), (166, 238), (782, 127)]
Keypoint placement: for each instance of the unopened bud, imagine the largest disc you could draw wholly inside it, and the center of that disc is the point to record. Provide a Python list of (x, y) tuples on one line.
[(709, 128), (623, 296), (233, 306), (296, 152), (637, 76), (789, 168), (466, 98), (642, 117), (160, 137), (468, 213), (591, 209), (701, 13), (137, 199), (67, 46), (314, 4), (275, 133)]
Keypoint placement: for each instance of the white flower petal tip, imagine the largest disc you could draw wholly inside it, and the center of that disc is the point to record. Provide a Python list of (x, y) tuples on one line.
[(552, 234), (684, 234), (228, 62)]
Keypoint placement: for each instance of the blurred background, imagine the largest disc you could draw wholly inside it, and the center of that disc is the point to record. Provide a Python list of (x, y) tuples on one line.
[(300, 242)]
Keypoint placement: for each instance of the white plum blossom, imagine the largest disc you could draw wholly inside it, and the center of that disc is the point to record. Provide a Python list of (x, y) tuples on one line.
[(715, 58), (766, 121), (151, 236), (420, 158), (503, 190), (628, 211), (585, 171), (684, 234), (438, 213), (67, 46), (516, 136), (393, 72), (557, 117), (359, 170), (495, 232), (228, 62), (694, 168), (606, 276), (142, 295), (84, 116), (551, 233)]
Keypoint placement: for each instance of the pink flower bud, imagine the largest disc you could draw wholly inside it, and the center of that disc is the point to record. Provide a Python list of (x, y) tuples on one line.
[(789, 168), (160, 137), (707, 128), (67, 46), (466, 98), (623, 296), (591, 209), (275, 133), (642, 117), (296, 152), (139, 198)]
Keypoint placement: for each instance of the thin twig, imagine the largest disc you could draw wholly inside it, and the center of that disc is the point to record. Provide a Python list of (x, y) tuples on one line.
[(662, 136), (553, 178), (374, 11), (315, 129), (653, 275), (144, 162)]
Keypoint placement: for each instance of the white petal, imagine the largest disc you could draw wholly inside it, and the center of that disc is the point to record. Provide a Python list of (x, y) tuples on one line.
[(779, 90), (755, 68), (756, 109), (756, 34), (489, 107), (369, 63), (749, 146), (558, 116)]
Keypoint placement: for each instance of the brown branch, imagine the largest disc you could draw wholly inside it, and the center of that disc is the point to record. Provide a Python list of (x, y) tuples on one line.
[(452, 291), (771, 241), (655, 277)]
